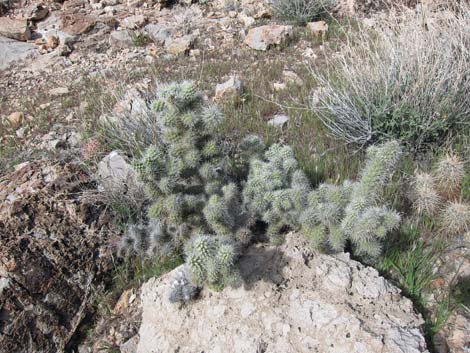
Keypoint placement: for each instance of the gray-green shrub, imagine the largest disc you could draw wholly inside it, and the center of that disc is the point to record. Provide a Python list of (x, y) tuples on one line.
[(398, 80)]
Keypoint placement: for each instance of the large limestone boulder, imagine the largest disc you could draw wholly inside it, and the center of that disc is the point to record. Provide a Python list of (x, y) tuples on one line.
[(292, 300)]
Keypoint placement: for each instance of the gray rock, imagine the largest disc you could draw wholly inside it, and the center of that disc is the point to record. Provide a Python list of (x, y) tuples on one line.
[(292, 300), (114, 170), (121, 39), (130, 346), (278, 120), (158, 33), (12, 51), (133, 22), (231, 89)]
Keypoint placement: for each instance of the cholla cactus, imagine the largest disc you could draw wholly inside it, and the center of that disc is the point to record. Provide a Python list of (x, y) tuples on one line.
[(145, 241), (450, 173), (226, 217), (365, 224), (336, 214), (322, 219), (211, 259), (456, 218), (426, 198), (276, 189), (188, 166)]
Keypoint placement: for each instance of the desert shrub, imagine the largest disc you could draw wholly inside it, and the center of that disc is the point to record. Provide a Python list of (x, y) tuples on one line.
[(301, 11), (352, 211), (398, 80)]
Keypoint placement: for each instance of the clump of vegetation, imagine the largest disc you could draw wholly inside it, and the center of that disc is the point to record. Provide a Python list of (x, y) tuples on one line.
[(456, 218), (193, 183), (211, 260), (302, 11), (187, 167), (352, 211), (398, 81), (437, 195), (450, 173), (276, 189), (208, 196)]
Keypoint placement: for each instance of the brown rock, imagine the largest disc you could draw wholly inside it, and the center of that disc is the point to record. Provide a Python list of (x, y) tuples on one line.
[(16, 119), (265, 37), (52, 42), (52, 248), (123, 301), (15, 29), (74, 23)]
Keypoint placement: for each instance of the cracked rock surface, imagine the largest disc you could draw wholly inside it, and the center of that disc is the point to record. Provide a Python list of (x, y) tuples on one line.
[(291, 300)]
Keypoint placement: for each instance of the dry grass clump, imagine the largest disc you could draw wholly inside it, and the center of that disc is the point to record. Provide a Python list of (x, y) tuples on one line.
[(302, 11), (400, 79)]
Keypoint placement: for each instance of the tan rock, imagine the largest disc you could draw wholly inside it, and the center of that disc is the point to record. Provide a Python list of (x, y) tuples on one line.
[(290, 77), (16, 119), (123, 301), (52, 42), (318, 28), (15, 29), (265, 37), (179, 45)]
